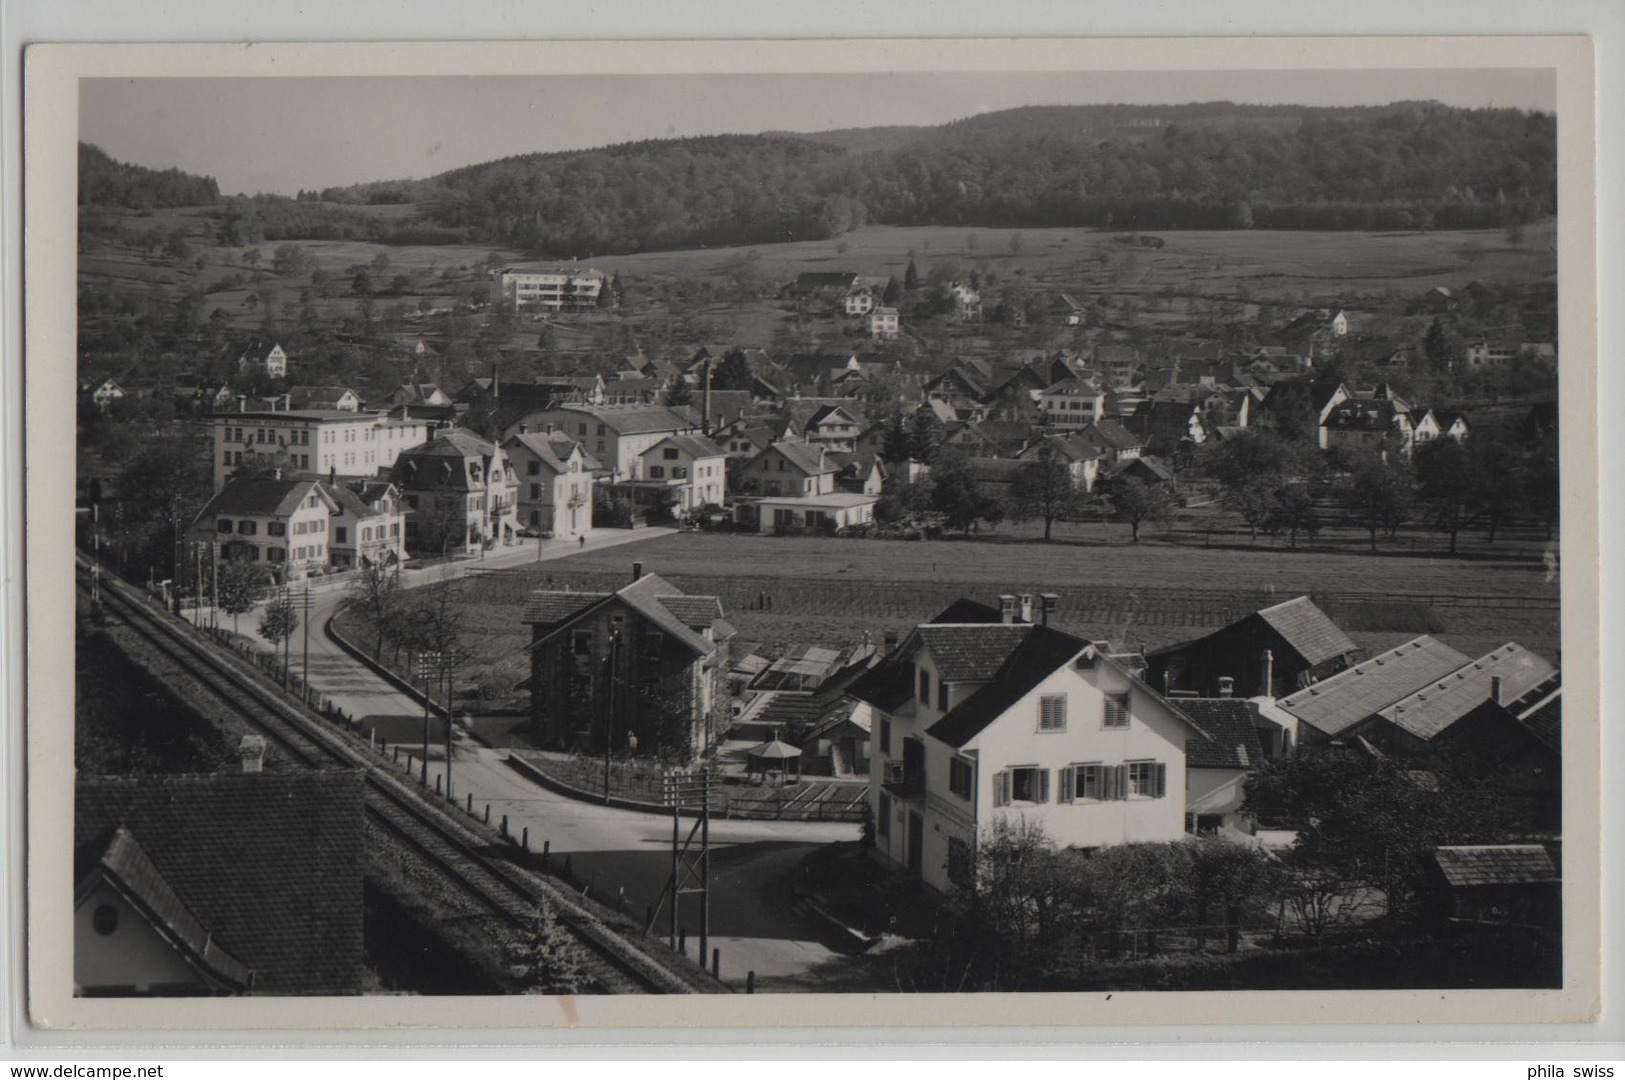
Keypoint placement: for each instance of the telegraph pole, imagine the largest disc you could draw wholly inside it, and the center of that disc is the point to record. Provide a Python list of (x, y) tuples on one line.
[(428, 664), (304, 676), (609, 719)]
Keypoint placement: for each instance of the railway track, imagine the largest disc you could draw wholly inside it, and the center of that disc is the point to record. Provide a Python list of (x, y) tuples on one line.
[(455, 848)]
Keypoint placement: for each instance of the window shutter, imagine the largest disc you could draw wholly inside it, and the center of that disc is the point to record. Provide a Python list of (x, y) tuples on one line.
[(1001, 788), (1162, 780), (1121, 782), (1066, 785), (1043, 785)]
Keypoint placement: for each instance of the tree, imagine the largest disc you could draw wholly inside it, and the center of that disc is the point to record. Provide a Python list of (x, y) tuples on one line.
[(1138, 502), (177, 246), (677, 392), (926, 431), (892, 293), (1501, 476), (1379, 495), (1249, 468), (911, 276), (376, 592), (1292, 511), (898, 447), (279, 621), (546, 958), (240, 588), (1448, 482), (954, 494), (1043, 489)]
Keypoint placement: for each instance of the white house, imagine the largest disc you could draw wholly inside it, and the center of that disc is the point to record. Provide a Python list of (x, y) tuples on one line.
[(990, 718), (860, 301), (368, 528), (265, 355), (616, 435), (555, 482), (283, 524), (884, 323), (691, 468), (552, 290), (1071, 403)]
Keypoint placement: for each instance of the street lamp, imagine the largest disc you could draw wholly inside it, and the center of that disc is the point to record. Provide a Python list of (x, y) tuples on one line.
[(609, 720)]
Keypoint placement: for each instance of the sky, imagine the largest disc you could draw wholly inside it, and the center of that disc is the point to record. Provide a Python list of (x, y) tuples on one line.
[(278, 135)]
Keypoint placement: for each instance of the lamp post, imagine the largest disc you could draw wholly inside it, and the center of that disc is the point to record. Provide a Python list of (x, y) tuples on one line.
[(304, 674), (609, 718)]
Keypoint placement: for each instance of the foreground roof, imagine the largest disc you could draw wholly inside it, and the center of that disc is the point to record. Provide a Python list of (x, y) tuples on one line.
[(258, 497), (1441, 703), (1231, 740), (1040, 652), (1496, 864), (1338, 703)]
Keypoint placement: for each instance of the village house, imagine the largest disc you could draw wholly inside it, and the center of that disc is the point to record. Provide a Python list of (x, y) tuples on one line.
[(1272, 652), (967, 301), (1301, 406), (687, 472), (1218, 763), (241, 883), (646, 661), (885, 324), (1368, 425), (1081, 461), (103, 394), (615, 435), (463, 493), (1169, 427), (1114, 442), (859, 302), (555, 482), (1117, 361), (263, 355), (368, 529), (281, 524), (1071, 403), (832, 425), (990, 718), (325, 398), (789, 467)]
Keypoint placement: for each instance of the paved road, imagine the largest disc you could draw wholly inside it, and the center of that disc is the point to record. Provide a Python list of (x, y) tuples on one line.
[(752, 916)]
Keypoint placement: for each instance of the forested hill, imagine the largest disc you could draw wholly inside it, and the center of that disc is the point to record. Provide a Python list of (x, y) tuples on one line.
[(107, 183), (1213, 166)]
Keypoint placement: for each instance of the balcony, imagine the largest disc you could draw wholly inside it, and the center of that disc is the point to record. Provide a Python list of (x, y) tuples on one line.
[(901, 782)]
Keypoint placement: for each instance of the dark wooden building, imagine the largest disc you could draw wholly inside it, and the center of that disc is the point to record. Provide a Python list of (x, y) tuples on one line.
[(1273, 651)]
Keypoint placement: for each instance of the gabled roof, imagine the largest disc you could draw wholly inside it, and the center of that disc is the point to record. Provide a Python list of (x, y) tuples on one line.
[(1308, 630), (651, 596), (887, 686), (1231, 740), (349, 502), (1036, 656), (1363, 414), (971, 653), (301, 396), (1541, 711), (966, 610), (545, 607), (259, 497), (694, 446), (132, 874), (808, 458), (553, 449), (270, 863), (634, 419), (1109, 435), (1333, 705), (1435, 707), (1496, 864), (696, 612)]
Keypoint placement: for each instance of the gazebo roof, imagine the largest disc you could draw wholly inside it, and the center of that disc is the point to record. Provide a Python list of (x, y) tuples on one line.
[(773, 750)]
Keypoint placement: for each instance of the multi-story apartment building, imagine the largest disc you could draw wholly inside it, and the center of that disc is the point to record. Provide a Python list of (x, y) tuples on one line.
[(462, 491), (327, 442), (552, 290), (980, 716), (555, 482), (369, 528), (616, 435)]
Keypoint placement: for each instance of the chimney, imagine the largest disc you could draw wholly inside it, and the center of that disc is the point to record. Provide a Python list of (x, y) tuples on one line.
[(1495, 689), (1227, 686), (1027, 608), (1049, 604), (891, 641), (333, 474), (251, 751), (1007, 608), (637, 571), (1266, 688)]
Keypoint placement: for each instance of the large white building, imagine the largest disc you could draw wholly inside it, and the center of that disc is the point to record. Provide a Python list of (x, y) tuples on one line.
[(981, 716), (553, 290), (321, 441)]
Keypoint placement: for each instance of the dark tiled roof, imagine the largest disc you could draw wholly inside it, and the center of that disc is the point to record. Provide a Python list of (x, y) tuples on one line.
[(258, 497), (808, 458), (694, 446), (271, 863), (636, 419), (545, 607), (965, 610), (1335, 704), (350, 502), (553, 449), (887, 686), (133, 874), (971, 653), (1034, 659), (697, 612), (1497, 864), (1541, 712), (1308, 630), (1232, 741)]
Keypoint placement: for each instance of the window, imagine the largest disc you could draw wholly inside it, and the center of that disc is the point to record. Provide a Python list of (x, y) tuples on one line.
[(341, 534), (581, 428), (1052, 712), (104, 920), (1147, 779), (942, 694), (304, 437), (657, 472), (961, 777), (271, 555), (533, 468), (225, 457), (223, 525), (248, 528), (669, 453), (536, 491), (276, 528), (883, 816), (1083, 783), (1116, 710), (1025, 783), (600, 429), (961, 867), (925, 687), (651, 645), (885, 734), (581, 642), (679, 472)]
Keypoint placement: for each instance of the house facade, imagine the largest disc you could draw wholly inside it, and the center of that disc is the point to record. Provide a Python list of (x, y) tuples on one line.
[(265, 355), (1071, 403), (689, 470), (321, 441), (983, 723), (551, 290), (462, 491), (615, 435), (283, 525), (885, 323), (646, 660), (555, 478), (369, 526)]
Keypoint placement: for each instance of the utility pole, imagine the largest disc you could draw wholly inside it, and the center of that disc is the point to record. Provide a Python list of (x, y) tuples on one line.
[(450, 673), (690, 869), (609, 719), (428, 664), (304, 676)]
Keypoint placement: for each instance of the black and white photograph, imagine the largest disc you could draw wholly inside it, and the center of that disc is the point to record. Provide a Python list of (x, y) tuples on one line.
[(900, 534)]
